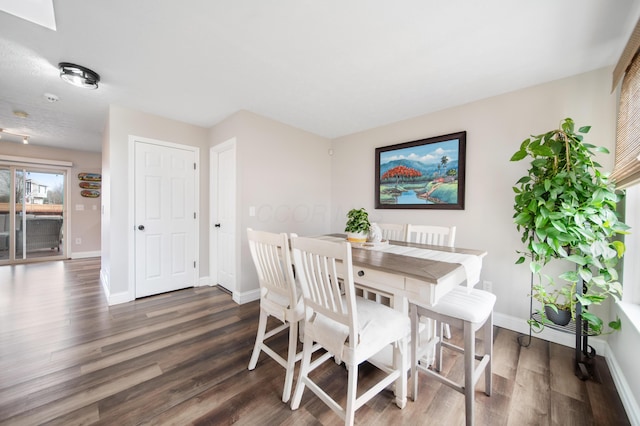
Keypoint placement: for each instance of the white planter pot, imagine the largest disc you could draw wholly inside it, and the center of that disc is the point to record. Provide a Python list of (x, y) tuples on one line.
[(357, 237)]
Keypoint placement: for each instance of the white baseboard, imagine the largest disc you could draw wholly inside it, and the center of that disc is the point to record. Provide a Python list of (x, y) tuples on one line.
[(115, 298), (566, 339), (246, 297), (238, 297), (85, 254), (624, 390)]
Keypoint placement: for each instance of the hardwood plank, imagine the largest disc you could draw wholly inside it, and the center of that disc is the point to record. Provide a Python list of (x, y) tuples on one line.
[(181, 358), (562, 375), (505, 360)]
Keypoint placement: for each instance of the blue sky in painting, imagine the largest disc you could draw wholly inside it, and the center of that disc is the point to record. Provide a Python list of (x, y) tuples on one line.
[(428, 154)]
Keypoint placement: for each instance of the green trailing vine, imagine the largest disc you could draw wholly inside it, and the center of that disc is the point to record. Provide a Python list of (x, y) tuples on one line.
[(565, 208)]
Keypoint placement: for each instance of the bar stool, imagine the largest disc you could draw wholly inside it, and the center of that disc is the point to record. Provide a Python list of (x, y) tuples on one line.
[(471, 310)]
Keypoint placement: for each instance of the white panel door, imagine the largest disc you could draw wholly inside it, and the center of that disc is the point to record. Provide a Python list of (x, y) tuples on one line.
[(164, 218), (223, 214)]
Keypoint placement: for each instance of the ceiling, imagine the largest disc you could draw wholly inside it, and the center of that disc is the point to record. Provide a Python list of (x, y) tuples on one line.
[(331, 67)]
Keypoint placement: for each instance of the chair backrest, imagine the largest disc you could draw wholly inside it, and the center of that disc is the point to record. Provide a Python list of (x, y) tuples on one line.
[(272, 257), (393, 231), (326, 277), (433, 235)]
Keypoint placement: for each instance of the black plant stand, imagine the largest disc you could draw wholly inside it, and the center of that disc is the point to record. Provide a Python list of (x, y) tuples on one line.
[(585, 355)]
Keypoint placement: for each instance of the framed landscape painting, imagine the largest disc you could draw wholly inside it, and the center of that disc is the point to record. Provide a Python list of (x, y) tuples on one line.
[(424, 174)]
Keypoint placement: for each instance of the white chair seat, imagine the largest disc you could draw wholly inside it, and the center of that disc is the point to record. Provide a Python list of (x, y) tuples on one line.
[(278, 306), (466, 304), (377, 326)]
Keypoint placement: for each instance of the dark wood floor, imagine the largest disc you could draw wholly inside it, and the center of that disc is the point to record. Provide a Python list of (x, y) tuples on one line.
[(181, 358)]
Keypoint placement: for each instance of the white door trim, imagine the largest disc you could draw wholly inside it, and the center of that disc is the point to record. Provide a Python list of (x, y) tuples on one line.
[(131, 270)]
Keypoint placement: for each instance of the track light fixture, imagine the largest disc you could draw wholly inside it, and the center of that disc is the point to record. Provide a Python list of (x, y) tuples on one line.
[(25, 138), (78, 75)]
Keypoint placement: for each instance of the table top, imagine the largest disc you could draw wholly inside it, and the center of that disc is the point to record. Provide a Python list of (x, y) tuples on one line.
[(427, 270)]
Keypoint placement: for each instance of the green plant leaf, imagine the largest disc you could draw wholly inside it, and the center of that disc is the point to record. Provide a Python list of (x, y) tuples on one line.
[(576, 258), (519, 155), (595, 323), (584, 129), (619, 247), (559, 226), (616, 325), (535, 267)]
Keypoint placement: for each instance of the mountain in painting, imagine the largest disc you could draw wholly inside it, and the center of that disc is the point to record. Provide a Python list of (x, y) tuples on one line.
[(426, 169)]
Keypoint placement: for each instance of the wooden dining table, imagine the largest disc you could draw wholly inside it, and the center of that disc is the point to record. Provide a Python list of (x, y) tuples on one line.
[(403, 278)]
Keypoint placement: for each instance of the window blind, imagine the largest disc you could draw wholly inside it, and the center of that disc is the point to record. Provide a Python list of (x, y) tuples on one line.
[(626, 171)]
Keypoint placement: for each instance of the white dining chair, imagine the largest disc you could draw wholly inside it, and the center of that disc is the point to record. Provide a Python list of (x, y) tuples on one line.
[(433, 235), (279, 298), (393, 231), (472, 310), (350, 328)]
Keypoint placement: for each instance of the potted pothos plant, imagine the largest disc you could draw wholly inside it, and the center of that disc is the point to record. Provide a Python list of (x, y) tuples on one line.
[(565, 208), (357, 227), (556, 302)]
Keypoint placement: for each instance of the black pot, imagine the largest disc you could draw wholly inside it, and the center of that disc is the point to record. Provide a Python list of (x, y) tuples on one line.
[(562, 317)]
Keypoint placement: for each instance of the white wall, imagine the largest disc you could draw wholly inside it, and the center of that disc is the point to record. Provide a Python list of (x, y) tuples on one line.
[(495, 128), (284, 173), (118, 255)]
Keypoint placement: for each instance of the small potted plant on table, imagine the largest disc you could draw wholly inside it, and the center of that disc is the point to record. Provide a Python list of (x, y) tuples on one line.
[(357, 227)]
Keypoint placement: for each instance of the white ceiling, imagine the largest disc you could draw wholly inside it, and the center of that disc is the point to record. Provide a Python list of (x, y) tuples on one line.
[(331, 67)]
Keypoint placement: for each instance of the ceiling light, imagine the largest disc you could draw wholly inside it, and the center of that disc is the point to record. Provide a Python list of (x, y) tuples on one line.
[(78, 75)]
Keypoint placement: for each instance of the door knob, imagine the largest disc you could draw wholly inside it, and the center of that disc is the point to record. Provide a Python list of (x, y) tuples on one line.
[(141, 227), (217, 225)]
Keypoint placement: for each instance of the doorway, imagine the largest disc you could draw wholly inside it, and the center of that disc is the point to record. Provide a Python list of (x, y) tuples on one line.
[(32, 213)]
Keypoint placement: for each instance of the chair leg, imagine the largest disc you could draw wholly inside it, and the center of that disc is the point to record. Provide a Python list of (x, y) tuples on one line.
[(414, 351), (291, 361), (447, 331), (438, 348), (488, 349), (469, 363), (262, 327), (400, 361), (352, 387), (307, 350)]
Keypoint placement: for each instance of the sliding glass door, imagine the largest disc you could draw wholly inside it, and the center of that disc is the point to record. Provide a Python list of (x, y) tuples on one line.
[(31, 213)]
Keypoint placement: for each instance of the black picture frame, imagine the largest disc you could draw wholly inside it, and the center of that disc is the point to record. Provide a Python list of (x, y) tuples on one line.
[(423, 174)]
